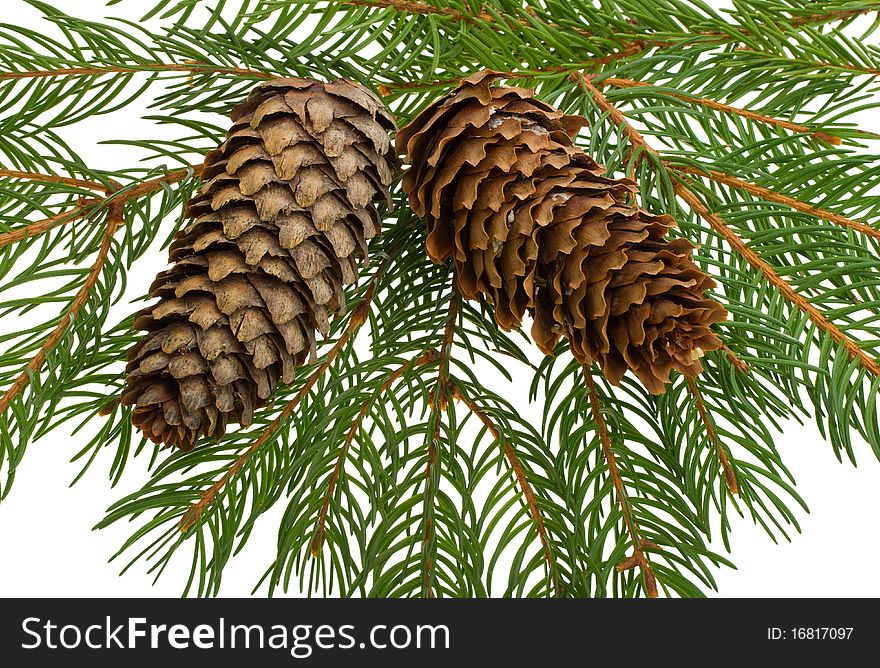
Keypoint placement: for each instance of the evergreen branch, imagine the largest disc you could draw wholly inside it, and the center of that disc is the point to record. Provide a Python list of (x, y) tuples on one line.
[(589, 63), (107, 188), (740, 366), (757, 262), (855, 69), (726, 108), (638, 143), (84, 207), (81, 210), (427, 357), (114, 220), (358, 317), (115, 200), (639, 40), (729, 475), (779, 198), (437, 403), (518, 471), (191, 68), (638, 557), (408, 7)]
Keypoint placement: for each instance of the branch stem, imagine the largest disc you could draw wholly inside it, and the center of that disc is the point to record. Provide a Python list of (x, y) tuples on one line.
[(725, 108), (437, 403), (729, 474), (638, 142), (191, 68), (779, 198), (114, 221), (112, 190), (358, 317), (638, 557), (427, 357), (518, 471)]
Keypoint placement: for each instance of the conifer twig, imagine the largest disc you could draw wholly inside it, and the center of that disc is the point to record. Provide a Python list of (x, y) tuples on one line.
[(642, 41), (427, 357), (638, 557), (114, 221), (106, 188), (115, 200), (726, 108), (192, 67), (437, 404), (779, 198), (741, 366), (638, 142), (39, 227), (729, 474), (358, 317), (518, 471), (84, 207)]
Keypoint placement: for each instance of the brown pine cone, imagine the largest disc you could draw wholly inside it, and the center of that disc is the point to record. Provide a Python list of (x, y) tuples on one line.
[(287, 206), (534, 226)]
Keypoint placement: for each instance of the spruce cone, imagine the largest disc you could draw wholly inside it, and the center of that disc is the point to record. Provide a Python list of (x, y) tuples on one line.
[(533, 225), (286, 207)]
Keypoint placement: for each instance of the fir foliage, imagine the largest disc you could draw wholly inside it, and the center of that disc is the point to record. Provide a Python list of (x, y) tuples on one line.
[(400, 470)]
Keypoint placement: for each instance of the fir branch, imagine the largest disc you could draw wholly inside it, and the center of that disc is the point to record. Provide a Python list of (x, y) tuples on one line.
[(720, 106), (115, 219), (429, 356), (84, 207), (518, 471), (729, 474), (115, 202), (639, 144), (189, 68), (812, 64), (107, 188), (437, 403), (779, 198), (36, 228), (740, 366), (638, 557), (358, 317), (409, 7)]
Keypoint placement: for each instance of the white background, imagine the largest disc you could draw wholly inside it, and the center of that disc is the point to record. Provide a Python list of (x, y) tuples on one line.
[(47, 547)]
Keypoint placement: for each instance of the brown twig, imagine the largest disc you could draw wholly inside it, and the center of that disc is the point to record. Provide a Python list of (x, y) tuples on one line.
[(632, 44), (437, 403), (358, 317), (191, 68), (518, 471), (65, 180), (816, 316), (112, 191), (856, 69), (771, 196), (637, 141), (645, 41), (427, 357), (729, 475), (568, 68), (40, 226), (114, 221), (638, 557), (115, 200), (741, 366), (726, 108)]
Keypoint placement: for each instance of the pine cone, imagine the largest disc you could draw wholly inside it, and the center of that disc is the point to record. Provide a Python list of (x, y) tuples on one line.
[(534, 226), (286, 207)]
